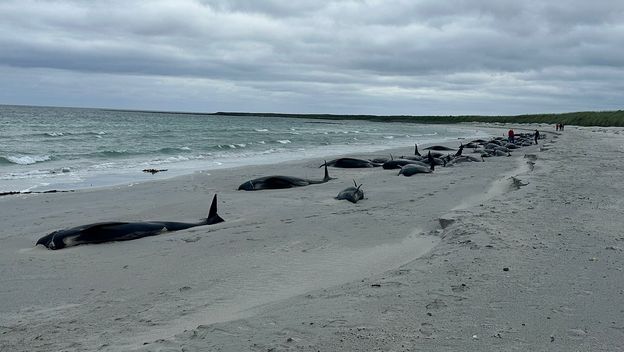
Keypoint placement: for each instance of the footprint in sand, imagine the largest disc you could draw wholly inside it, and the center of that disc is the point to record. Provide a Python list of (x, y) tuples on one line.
[(459, 288), (436, 304), (426, 329), (577, 333)]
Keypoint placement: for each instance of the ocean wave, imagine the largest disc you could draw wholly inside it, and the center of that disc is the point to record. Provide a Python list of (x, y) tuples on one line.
[(25, 175), (269, 151), (231, 146), (261, 130), (24, 159), (112, 153), (283, 141), (177, 158), (66, 133), (40, 173), (88, 133), (171, 150)]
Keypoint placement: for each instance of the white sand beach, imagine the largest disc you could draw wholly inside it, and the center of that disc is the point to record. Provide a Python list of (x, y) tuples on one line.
[(530, 258)]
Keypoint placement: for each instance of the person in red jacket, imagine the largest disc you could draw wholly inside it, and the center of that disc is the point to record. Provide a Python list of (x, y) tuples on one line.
[(511, 136)]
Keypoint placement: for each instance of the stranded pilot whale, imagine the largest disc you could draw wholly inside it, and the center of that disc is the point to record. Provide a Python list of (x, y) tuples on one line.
[(280, 182), (351, 163), (352, 194), (120, 231)]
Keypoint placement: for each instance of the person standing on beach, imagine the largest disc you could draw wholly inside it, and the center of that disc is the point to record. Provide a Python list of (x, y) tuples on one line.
[(536, 136), (511, 136)]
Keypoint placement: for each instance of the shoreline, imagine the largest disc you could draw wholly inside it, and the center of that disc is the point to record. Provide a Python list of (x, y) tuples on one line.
[(186, 168), (41, 177), (297, 269)]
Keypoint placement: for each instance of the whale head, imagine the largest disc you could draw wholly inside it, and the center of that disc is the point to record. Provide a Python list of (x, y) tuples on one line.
[(53, 240)]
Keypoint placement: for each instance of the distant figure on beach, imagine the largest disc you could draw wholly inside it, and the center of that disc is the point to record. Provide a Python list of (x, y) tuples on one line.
[(536, 136), (560, 127), (557, 127), (511, 136)]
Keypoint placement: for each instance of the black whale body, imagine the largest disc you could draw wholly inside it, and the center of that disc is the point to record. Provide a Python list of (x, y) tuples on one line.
[(398, 163), (120, 231), (280, 182), (438, 147), (351, 163)]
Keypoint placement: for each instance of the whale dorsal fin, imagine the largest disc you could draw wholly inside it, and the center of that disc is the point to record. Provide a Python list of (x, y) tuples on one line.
[(213, 217), (326, 178)]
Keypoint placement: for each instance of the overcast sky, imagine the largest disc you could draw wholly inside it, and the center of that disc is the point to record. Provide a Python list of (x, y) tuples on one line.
[(384, 57)]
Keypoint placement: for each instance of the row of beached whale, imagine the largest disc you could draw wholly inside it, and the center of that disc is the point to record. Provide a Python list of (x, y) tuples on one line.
[(407, 165)]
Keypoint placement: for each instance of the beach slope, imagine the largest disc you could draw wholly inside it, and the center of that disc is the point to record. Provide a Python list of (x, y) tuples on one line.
[(516, 253)]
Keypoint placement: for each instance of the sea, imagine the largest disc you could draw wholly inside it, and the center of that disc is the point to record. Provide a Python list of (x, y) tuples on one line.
[(53, 148)]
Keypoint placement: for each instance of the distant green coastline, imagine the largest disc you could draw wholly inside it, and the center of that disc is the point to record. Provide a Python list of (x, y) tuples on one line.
[(584, 118), (580, 118)]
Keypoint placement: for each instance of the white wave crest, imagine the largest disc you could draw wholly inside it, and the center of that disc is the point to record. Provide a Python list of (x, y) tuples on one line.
[(283, 141), (27, 159)]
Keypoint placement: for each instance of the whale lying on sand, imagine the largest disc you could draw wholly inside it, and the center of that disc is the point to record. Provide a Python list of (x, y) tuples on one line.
[(352, 194), (413, 169), (120, 231), (280, 182), (438, 147), (351, 163)]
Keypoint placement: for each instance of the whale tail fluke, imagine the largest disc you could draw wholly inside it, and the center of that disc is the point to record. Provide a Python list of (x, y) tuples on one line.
[(356, 185), (213, 217)]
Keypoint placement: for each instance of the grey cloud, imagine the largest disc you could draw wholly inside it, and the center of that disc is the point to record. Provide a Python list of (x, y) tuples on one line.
[(333, 53)]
